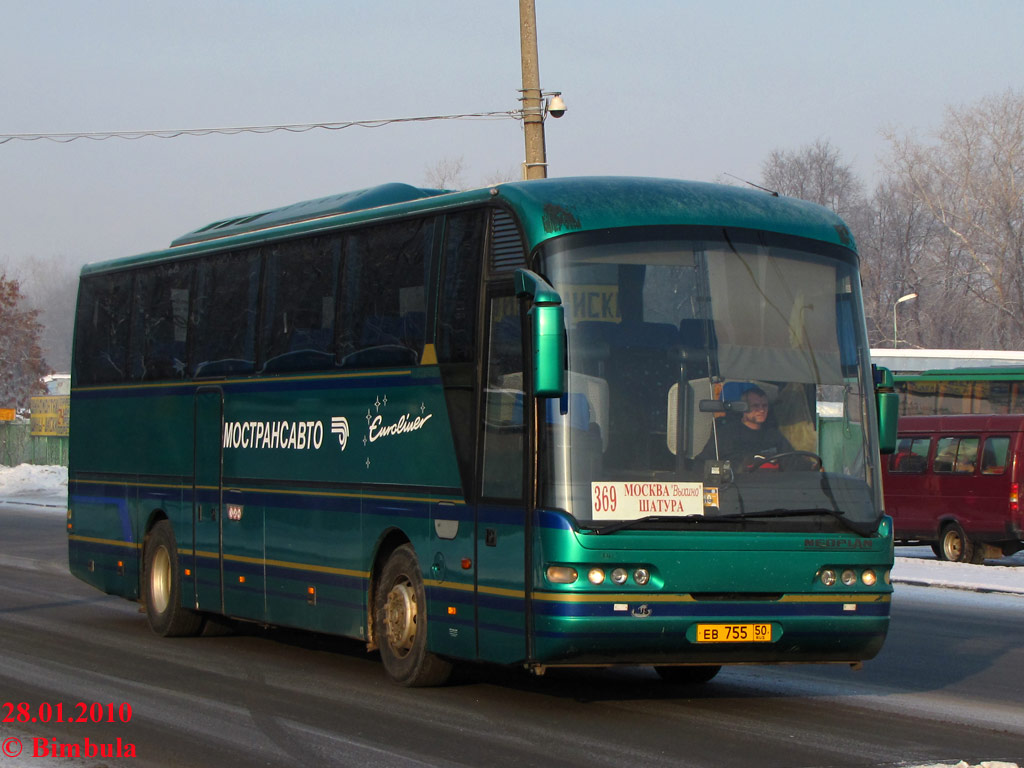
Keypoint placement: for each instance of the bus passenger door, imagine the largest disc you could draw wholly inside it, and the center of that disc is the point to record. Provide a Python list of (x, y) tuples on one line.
[(500, 545), (207, 520)]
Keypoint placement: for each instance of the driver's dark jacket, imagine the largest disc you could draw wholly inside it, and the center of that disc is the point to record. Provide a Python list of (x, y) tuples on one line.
[(739, 444)]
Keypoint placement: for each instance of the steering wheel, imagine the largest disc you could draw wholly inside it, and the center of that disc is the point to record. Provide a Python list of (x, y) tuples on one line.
[(758, 463)]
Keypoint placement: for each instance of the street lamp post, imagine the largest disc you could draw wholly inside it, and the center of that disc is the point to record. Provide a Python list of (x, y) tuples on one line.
[(895, 332)]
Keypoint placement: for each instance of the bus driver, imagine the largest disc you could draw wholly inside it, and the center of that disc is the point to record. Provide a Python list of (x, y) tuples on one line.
[(747, 441)]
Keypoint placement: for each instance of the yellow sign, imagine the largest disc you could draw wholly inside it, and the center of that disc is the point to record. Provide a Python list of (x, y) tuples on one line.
[(6, 414), (51, 415)]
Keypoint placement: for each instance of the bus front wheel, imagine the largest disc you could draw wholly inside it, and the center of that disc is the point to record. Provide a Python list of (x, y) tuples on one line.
[(956, 547), (162, 574), (400, 623)]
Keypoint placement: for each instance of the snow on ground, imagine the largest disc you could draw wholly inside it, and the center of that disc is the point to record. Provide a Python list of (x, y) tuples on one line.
[(32, 480)]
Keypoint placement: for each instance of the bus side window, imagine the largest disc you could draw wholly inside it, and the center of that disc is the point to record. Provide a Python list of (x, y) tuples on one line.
[(504, 428), (160, 326), (299, 304), (101, 342), (225, 314), (384, 294), (993, 457)]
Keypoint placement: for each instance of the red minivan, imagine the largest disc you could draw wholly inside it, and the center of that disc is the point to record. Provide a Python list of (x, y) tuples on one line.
[(953, 483)]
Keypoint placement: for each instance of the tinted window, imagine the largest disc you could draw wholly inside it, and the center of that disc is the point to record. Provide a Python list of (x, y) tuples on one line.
[(956, 455), (384, 294), (503, 407), (463, 254), (160, 322), (911, 456), (102, 329), (993, 457), (300, 304), (225, 311)]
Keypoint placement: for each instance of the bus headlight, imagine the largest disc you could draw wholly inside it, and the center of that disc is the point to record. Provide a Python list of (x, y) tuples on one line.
[(619, 576), (849, 578), (641, 576), (828, 577), (561, 574), (869, 578), (595, 576)]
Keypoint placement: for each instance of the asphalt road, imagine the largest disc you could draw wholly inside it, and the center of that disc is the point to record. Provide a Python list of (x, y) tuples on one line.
[(946, 687)]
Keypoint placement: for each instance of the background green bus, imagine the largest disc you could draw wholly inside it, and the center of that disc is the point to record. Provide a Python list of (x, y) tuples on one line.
[(989, 390), (485, 426)]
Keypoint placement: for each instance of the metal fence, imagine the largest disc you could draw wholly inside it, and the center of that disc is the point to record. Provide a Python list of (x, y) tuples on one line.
[(19, 446)]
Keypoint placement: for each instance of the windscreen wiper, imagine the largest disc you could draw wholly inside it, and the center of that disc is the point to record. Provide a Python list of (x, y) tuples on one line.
[(623, 524), (862, 529)]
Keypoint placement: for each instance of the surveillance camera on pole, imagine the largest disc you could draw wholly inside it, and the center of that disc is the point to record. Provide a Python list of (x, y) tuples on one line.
[(555, 105)]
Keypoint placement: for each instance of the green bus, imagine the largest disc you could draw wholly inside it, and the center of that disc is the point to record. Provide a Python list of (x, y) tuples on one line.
[(485, 425), (984, 390)]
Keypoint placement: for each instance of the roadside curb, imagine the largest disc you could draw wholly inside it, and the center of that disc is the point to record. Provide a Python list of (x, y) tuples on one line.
[(982, 588), (30, 503)]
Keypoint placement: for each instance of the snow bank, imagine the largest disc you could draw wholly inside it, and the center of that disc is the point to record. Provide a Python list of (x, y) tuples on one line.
[(32, 479)]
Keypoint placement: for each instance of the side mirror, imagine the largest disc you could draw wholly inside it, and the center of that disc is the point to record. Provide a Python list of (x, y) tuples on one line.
[(547, 328), (887, 403)]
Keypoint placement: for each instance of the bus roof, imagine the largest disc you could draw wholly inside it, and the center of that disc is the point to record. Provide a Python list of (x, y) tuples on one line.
[(346, 202), (546, 207), (916, 361), (992, 373)]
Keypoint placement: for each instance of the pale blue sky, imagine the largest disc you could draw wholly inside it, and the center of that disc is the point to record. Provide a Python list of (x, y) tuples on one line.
[(654, 87)]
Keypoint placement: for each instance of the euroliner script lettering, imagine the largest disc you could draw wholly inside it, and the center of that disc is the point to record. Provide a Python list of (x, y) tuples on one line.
[(284, 435), (407, 423)]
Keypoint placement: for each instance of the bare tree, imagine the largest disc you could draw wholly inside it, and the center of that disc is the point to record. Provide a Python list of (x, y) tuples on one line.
[(971, 182), (446, 173), (816, 173)]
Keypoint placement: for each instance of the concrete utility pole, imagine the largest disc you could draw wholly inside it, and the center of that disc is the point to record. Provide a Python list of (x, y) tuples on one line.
[(536, 165)]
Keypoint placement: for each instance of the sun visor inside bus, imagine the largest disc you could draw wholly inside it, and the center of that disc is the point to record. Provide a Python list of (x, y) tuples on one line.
[(787, 335), (347, 202)]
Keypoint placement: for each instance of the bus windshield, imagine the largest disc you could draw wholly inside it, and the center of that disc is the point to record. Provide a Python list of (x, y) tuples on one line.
[(716, 377)]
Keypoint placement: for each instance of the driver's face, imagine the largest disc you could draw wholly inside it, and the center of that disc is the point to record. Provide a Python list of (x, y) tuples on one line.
[(757, 411)]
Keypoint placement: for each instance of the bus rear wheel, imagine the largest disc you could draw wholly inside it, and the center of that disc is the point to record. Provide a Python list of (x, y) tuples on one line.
[(400, 623), (162, 584), (956, 547), (687, 675)]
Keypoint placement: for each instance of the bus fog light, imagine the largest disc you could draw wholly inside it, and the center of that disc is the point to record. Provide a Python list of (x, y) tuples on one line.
[(849, 577), (619, 576), (596, 576), (562, 574), (641, 576), (828, 577), (869, 578)]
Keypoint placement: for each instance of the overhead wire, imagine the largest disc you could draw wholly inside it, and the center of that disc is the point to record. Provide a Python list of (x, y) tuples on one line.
[(173, 133)]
